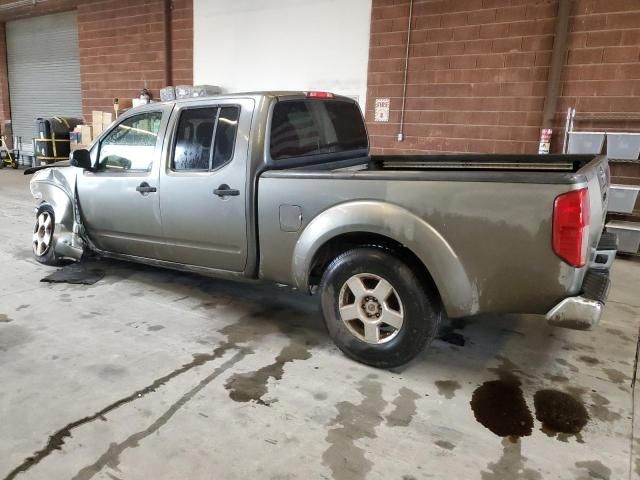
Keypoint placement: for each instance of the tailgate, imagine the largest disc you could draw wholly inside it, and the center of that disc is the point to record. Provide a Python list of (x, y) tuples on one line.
[(598, 179)]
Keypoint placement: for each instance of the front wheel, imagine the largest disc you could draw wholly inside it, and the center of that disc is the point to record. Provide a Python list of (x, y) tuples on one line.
[(43, 238), (376, 309)]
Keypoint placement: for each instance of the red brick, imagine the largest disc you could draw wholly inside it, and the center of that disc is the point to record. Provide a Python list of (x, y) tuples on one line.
[(604, 38), (489, 96), (462, 62), (630, 19), (451, 48), (478, 46), (511, 13), (537, 43), (481, 17), (585, 56), (507, 44), (631, 37), (466, 33), (453, 20), (495, 30), (621, 54), (520, 59)]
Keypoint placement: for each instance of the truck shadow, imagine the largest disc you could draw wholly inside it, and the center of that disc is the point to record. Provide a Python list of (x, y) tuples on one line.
[(469, 345)]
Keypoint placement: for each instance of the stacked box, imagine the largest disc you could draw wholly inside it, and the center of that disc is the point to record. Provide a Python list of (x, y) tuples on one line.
[(96, 123), (184, 91), (167, 94), (205, 90)]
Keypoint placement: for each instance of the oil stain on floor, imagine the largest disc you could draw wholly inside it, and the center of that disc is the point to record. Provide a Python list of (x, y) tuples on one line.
[(559, 412), (499, 405)]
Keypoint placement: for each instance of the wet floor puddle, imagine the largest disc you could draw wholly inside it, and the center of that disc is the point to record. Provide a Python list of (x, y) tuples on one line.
[(500, 406)]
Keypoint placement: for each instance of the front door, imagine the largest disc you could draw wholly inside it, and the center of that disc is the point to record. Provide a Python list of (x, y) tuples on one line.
[(204, 189), (119, 200)]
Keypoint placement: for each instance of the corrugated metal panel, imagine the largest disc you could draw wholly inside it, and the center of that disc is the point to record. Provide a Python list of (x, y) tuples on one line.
[(44, 71)]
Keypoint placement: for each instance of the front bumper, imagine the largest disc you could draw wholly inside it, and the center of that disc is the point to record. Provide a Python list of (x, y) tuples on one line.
[(583, 312)]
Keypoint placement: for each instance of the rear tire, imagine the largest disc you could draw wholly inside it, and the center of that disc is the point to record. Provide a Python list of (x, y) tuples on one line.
[(43, 237), (376, 309)]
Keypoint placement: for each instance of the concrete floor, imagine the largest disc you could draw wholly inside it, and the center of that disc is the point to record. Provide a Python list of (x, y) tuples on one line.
[(156, 374)]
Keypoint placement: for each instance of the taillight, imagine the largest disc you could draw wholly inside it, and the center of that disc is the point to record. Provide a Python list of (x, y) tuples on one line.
[(571, 227), (318, 94)]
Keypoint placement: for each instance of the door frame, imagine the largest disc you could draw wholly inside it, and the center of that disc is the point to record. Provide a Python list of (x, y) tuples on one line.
[(152, 173), (246, 106)]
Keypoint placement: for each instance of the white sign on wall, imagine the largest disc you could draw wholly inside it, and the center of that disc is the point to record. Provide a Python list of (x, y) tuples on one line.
[(382, 109), (249, 45)]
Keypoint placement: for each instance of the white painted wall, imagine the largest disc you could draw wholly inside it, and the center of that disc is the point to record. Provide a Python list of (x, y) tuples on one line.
[(245, 45)]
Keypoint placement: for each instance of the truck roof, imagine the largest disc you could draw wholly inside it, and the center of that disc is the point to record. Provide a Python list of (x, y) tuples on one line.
[(265, 93)]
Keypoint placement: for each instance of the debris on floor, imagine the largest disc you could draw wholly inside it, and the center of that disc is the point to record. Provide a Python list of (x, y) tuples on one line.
[(75, 273)]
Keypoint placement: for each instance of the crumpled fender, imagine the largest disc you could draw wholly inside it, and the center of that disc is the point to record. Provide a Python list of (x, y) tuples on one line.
[(459, 295), (56, 187)]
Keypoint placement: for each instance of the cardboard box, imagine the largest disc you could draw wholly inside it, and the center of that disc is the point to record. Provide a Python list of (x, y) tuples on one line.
[(121, 104), (107, 119), (97, 123), (86, 134)]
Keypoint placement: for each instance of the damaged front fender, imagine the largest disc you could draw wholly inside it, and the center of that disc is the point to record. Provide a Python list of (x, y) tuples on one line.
[(56, 187)]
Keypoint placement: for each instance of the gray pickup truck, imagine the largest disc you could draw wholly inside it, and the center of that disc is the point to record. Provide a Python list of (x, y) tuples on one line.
[(280, 187)]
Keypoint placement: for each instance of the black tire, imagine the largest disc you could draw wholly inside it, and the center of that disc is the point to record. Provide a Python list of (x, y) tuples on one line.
[(418, 304), (47, 256)]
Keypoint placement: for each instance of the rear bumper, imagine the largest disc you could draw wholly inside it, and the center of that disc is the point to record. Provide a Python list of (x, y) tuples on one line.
[(584, 311)]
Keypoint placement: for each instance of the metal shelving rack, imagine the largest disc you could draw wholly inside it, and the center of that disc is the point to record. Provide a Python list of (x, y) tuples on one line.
[(573, 117), (620, 222)]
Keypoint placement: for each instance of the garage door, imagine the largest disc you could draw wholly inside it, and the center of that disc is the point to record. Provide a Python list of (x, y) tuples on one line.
[(44, 71)]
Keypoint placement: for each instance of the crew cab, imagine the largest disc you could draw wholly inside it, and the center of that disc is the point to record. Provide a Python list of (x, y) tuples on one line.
[(281, 187)]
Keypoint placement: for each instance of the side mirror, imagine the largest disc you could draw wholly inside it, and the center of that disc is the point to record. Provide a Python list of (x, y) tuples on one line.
[(81, 159)]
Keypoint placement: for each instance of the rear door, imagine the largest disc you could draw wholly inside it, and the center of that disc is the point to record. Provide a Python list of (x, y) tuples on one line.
[(204, 184), (119, 201)]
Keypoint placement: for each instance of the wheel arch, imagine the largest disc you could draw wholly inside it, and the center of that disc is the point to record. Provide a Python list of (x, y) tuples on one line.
[(51, 191), (388, 226), (53, 187)]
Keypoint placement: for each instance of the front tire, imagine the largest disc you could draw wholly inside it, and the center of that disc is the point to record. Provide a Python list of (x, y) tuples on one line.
[(376, 309), (43, 237)]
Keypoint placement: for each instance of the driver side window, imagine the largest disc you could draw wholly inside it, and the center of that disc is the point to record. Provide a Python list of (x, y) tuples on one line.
[(131, 144)]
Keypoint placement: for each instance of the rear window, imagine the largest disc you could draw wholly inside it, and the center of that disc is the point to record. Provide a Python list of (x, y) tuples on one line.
[(310, 127)]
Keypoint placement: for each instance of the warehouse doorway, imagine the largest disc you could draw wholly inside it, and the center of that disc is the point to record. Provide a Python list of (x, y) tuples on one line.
[(44, 71)]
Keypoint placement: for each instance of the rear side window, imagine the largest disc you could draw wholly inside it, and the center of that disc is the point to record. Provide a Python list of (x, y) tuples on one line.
[(310, 127), (205, 138)]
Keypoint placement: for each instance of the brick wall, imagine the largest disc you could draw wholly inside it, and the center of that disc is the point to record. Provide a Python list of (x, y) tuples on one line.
[(602, 72), (182, 41), (5, 106), (478, 69), (122, 49)]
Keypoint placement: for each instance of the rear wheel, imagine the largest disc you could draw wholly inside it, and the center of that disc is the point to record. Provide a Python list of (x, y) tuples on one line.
[(376, 308), (43, 238)]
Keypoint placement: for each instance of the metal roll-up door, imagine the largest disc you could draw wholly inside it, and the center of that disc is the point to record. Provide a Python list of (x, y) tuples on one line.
[(44, 71)]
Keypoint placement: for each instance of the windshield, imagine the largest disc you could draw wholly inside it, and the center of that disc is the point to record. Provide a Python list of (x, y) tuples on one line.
[(310, 127)]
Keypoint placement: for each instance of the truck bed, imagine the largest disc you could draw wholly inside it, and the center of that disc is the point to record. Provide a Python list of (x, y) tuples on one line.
[(508, 162), (538, 169)]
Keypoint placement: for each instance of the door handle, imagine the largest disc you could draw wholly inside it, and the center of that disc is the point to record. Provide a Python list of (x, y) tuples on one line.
[(144, 187), (225, 191)]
